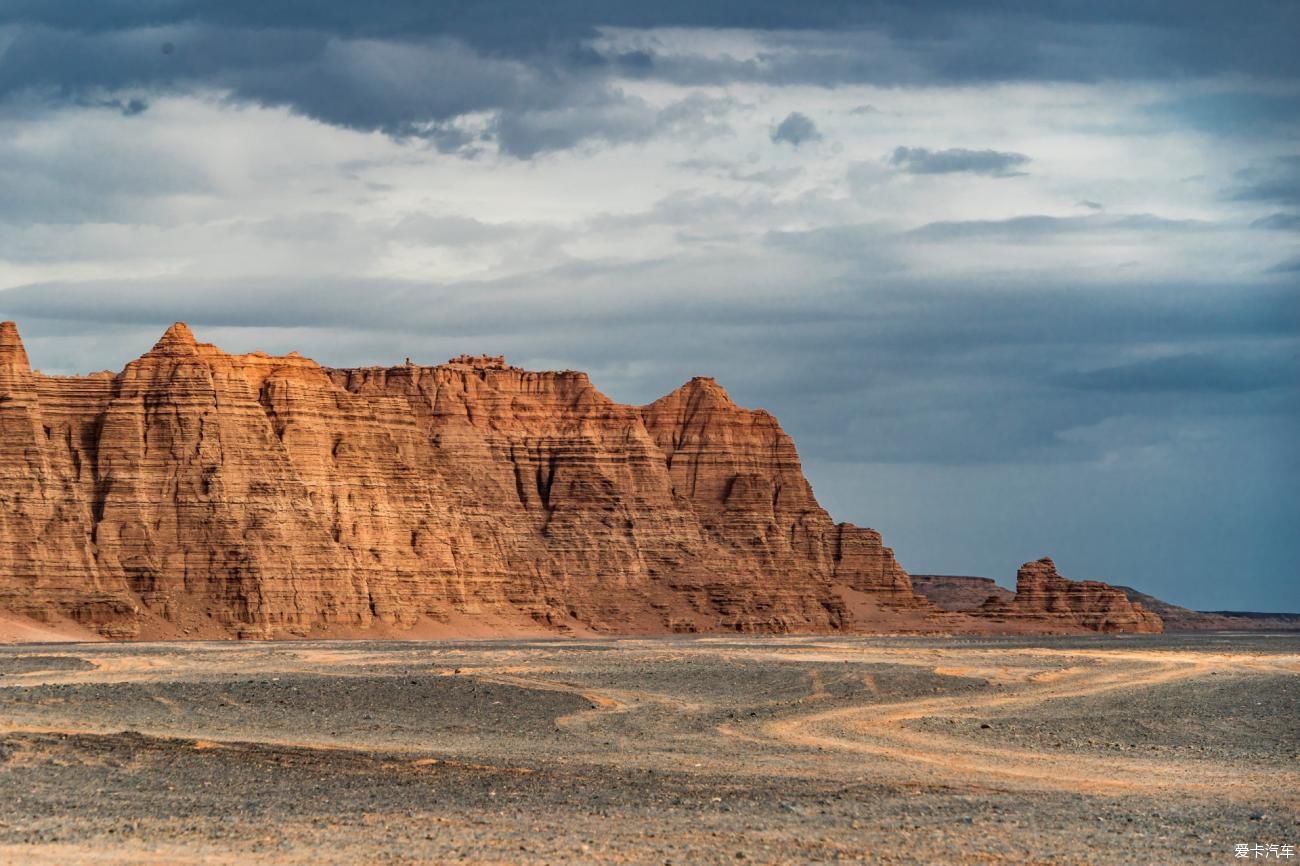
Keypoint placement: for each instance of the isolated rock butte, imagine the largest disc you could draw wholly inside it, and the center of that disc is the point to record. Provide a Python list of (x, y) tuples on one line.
[(1043, 596), (207, 494)]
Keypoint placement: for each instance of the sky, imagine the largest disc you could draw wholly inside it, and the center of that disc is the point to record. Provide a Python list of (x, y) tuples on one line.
[(1021, 278)]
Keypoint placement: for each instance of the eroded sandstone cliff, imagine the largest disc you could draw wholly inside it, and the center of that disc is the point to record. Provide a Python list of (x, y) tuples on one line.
[(203, 493), (1045, 598)]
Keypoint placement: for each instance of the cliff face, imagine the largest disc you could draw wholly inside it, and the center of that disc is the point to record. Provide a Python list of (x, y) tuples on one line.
[(268, 496), (206, 494), (1044, 597)]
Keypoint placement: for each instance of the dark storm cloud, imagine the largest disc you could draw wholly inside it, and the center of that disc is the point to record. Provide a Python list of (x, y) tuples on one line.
[(795, 129), (400, 87), (128, 107), (408, 68), (1276, 181), (1278, 222), (1243, 112), (527, 133), (999, 39), (1192, 373), (995, 163)]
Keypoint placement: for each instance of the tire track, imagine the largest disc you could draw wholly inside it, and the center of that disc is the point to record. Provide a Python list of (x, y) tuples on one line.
[(881, 732)]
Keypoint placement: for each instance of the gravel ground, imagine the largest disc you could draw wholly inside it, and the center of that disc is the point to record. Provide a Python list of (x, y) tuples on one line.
[(666, 751), (380, 711), (27, 664), (1250, 721)]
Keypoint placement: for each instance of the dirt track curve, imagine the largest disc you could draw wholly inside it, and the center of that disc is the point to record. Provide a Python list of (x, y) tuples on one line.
[(711, 750)]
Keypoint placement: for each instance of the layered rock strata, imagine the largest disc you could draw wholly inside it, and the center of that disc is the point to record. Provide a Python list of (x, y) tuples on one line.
[(959, 592), (206, 494), (268, 496), (1046, 599)]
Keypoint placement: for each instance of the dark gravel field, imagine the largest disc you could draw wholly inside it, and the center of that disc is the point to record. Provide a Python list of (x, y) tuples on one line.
[(1249, 720), (891, 750)]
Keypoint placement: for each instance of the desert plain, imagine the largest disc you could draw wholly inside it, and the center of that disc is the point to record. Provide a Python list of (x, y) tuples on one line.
[(1107, 749)]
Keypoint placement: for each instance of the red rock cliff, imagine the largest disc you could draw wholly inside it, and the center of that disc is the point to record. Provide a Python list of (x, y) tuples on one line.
[(202, 493), (268, 496)]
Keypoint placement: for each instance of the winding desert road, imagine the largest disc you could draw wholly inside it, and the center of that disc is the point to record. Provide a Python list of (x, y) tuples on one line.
[(884, 730)]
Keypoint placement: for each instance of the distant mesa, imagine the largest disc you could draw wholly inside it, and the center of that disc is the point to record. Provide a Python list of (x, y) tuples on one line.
[(199, 494), (961, 593), (1182, 619)]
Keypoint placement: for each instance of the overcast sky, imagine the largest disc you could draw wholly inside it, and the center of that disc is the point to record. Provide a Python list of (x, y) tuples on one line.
[(1020, 278)]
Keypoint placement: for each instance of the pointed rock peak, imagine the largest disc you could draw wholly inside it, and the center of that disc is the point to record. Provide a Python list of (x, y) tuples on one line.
[(178, 340), (701, 389), (708, 385), (12, 352)]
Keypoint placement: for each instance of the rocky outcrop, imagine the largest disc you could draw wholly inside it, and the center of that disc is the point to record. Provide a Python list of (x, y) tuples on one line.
[(1052, 602), (49, 564), (739, 473), (958, 592), (199, 493)]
